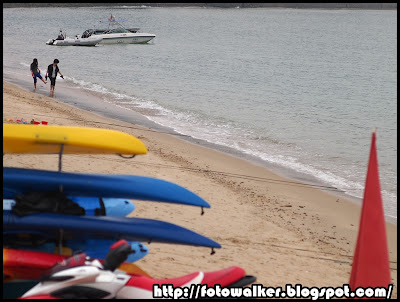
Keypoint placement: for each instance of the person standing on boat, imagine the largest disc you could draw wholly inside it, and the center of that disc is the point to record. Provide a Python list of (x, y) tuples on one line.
[(36, 73), (60, 35), (52, 71)]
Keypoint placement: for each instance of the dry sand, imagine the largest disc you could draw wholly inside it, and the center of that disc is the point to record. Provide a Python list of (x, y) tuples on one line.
[(283, 233)]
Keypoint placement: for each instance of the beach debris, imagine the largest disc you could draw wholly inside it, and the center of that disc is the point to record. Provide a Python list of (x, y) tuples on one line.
[(21, 121), (33, 122)]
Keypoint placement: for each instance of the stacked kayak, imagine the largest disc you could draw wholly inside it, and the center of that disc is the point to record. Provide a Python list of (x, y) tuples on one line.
[(105, 199), (20, 180), (30, 265), (40, 139), (85, 188), (78, 277), (95, 248), (93, 206)]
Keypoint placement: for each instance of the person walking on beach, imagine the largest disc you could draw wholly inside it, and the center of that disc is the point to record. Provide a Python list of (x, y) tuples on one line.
[(51, 72), (36, 73)]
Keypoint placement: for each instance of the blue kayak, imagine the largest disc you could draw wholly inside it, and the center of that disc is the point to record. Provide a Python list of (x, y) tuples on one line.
[(103, 227), (118, 207), (98, 248), (94, 248), (19, 180)]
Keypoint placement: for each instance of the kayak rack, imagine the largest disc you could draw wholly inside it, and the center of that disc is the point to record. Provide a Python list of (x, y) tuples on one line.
[(60, 239), (59, 164), (60, 157)]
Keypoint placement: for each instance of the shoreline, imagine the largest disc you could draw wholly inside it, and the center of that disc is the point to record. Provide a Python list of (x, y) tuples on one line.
[(278, 232), (71, 95)]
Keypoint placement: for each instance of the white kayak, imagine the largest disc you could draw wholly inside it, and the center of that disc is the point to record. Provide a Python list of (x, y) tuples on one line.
[(77, 41)]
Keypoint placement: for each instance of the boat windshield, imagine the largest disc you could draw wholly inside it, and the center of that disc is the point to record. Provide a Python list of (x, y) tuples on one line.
[(87, 33), (117, 31), (114, 27)]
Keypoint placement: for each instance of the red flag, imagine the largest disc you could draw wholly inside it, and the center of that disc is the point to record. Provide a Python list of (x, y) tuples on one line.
[(111, 18), (371, 258)]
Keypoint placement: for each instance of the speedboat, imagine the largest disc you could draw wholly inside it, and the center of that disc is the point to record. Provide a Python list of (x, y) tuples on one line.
[(116, 33), (62, 40)]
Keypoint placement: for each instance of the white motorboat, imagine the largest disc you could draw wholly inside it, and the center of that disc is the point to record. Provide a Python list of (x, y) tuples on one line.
[(62, 40), (116, 33)]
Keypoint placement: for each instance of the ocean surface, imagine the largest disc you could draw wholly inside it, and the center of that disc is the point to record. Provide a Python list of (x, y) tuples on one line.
[(297, 91)]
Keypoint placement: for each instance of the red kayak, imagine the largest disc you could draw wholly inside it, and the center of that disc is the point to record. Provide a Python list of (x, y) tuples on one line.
[(82, 277), (30, 265), (88, 281)]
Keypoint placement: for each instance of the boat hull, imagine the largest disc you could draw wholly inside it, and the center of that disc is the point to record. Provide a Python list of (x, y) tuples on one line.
[(126, 38)]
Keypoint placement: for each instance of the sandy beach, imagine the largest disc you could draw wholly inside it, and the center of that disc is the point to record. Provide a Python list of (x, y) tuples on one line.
[(278, 230)]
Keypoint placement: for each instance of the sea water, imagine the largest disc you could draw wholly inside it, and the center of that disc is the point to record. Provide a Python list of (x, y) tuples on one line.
[(298, 91)]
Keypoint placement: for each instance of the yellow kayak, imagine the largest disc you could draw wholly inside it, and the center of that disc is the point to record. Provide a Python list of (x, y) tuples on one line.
[(21, 138)]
